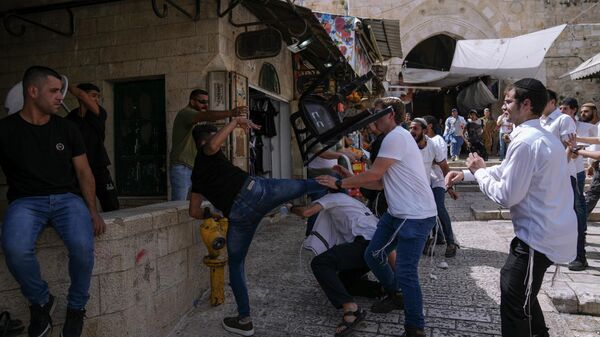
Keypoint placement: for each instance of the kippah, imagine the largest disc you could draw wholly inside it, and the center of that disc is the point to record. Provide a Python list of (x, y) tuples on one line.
[(530, 84), (589, 105), (421, 120)]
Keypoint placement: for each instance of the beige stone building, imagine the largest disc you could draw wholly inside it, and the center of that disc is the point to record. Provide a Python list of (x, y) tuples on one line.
[(421, 20)]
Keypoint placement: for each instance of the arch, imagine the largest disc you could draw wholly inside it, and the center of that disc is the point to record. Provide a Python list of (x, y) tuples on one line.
[(435, 52), (268, 78)]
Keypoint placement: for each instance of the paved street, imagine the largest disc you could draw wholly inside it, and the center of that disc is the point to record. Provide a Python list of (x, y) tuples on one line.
[(460, 301)]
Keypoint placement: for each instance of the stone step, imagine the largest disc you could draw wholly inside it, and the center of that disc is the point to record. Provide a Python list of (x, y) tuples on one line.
[(480, 213)]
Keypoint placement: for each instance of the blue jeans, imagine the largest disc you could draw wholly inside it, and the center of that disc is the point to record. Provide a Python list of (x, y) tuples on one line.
[(181, 181), (256, 198), (456, 145), (581, 212), (439, 193), (24, 221), (410, 241), (503, 146)]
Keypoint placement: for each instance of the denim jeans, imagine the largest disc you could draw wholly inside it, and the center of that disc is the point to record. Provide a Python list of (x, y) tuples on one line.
[(581, 212), (439, 193), (456, 145), (410, 241), (502, 146), (256, 198), (181, 181), (24, 221)]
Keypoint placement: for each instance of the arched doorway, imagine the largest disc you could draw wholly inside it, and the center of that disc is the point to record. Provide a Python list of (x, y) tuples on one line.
[(435, 52)]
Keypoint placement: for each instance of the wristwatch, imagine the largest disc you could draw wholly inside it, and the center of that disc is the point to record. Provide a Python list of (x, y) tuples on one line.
[(338, 184)]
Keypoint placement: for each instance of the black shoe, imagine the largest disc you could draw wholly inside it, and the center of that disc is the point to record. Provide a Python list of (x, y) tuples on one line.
[(410, 332), (233, 324), (73, 323), (41, 323), (578, 264), (451, 250), (388, 304), (543, 333)]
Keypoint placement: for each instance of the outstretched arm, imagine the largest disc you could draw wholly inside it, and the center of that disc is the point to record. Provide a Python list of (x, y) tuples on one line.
[(214, 145), (589, 140)]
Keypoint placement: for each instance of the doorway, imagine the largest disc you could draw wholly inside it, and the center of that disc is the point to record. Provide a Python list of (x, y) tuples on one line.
[(140, 138)]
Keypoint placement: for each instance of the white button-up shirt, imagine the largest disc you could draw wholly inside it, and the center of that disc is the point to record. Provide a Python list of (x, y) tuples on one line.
[(533, 181), (561, 126)]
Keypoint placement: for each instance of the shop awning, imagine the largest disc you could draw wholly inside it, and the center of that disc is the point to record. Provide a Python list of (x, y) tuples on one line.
[(386, 34), (511, 59), (590, 68)]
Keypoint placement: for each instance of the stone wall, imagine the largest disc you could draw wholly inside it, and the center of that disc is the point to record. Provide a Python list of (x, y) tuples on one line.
[(478, 19), (148, 272)]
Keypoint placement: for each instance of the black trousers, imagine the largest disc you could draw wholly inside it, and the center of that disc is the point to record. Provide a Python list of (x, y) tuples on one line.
[(593, 195), (515, 320), (106, 191), (340, 269)]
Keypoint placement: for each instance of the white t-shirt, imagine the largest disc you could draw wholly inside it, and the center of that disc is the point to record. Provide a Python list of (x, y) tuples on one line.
[(584, 130), (405, 183), (342, 219), (431, 155), (561, 126), (437, 176)]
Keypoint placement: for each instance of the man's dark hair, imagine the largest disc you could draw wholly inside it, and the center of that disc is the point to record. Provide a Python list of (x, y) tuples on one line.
[(396, 104), (552, 95), (202, 132), (532, 89), (35, 74), (87, 87), (197, 92), (434, 123), (571, 103)]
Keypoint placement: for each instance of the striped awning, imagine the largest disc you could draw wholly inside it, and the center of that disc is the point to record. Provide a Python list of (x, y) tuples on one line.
[(590, 68)]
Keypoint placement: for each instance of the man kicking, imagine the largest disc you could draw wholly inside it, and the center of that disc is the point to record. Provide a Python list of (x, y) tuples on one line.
[(244, 199)]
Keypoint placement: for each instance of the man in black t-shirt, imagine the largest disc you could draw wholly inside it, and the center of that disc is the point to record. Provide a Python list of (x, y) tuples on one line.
[(90, 119), (244, 199), (49, 182)]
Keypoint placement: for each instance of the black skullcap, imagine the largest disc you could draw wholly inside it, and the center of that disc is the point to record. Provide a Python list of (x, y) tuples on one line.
[(88, 87), (530, 84)]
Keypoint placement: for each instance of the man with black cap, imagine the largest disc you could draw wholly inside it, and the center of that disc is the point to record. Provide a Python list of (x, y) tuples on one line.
[(90, 119), (531, 181)]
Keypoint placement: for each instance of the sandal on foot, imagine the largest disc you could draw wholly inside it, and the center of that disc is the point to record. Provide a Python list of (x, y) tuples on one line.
[(359, 315)]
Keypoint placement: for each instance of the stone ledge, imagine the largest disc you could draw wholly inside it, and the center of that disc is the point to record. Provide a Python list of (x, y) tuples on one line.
[(147, 273)]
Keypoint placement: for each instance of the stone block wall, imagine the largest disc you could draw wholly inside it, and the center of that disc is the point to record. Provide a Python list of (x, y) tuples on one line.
[(148, 272)]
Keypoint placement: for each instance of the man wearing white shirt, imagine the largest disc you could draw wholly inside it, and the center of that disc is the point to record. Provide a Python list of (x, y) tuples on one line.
[(569, 107), (342, 231), (531, 181), (454, 129), (410, 217), (433, 151), (589, 114)]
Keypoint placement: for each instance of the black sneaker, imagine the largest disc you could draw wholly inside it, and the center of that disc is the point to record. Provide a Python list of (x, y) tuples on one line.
[(40, 324), (409, 332), (73, 323), (451, 250), (233, 324), (579, 264), (388, 304)]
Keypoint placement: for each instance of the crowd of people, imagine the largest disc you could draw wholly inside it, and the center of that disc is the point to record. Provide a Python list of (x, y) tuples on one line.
[(54, 175)]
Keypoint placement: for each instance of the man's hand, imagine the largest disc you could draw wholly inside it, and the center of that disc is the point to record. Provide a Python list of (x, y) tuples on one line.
[(452, 193), (342, 171), (350, 154), (475, 162), (327, 181), (240, 110), (99, 225), (454, 177), (246, 124)]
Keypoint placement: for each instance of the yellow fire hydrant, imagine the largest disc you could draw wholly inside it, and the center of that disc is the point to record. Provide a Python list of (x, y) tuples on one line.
[(213, 235)]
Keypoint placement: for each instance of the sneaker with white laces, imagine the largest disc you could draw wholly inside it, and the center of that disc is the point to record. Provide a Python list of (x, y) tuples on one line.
[(238, 325)]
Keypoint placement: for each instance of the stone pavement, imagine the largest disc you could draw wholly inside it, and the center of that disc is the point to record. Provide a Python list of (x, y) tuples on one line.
[(462, 300)]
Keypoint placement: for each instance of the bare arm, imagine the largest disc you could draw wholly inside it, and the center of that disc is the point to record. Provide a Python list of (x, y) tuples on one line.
[(88, 102), (88, 191), (589, 154), (214, 145), (370, 179), (589, 140), (306, 211), (195, 208), (211, 116)]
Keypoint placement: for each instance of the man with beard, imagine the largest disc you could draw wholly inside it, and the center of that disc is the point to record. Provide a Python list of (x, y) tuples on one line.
[(531, 181), (589, 114)]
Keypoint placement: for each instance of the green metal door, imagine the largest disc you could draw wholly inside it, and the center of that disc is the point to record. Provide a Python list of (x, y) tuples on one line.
[(140, 138)]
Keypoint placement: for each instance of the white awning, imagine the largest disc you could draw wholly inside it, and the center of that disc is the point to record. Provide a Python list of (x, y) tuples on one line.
[(589, 68), (512, 58)]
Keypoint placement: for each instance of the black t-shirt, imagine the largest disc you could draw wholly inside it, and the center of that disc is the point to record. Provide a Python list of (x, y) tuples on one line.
[(475, 130), (217, 180), (37, 159), (92, 128)]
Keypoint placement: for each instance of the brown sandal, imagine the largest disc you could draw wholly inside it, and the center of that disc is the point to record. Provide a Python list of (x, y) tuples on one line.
[(359, 315)]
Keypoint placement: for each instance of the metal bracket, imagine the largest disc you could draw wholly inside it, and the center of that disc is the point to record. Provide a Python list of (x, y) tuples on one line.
[(165, 10), (21, 30)]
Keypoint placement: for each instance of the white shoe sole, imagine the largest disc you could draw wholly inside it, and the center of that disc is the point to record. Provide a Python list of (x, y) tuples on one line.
[(237, 331)]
